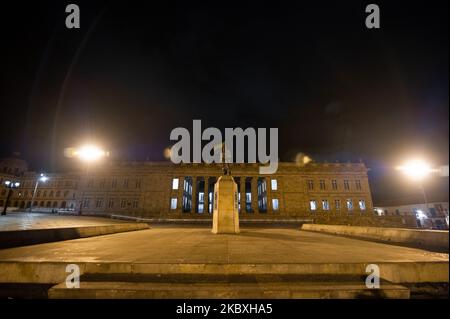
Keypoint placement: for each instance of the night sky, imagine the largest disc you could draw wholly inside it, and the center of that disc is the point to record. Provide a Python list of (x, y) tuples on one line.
[(135, 70)]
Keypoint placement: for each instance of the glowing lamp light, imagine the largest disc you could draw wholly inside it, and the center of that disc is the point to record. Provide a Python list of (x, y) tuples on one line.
[(43, 178), (420, 214), (11, 184), (416, 169), (90, 153)]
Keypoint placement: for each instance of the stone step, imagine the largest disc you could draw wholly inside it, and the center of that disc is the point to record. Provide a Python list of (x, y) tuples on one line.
[(234, 290)]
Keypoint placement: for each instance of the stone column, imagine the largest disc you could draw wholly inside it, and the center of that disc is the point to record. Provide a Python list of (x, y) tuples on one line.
[(206, 198), (194, 195), (255, 194), (180, 195), (269, 194), (242, 191)]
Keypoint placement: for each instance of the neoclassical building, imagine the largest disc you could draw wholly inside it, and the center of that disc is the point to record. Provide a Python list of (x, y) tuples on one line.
[(162, 190)]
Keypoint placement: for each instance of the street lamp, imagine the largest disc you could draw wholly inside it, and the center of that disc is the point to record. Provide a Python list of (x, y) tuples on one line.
[(10, 185), (89, 154), (418, 170), (42, 178)]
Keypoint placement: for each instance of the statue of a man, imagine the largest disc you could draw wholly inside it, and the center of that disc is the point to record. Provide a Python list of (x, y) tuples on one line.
[(225, 167)]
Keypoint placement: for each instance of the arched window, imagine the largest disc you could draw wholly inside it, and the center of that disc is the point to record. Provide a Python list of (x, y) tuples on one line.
[(63, 204), (49, 204), (55, 204)]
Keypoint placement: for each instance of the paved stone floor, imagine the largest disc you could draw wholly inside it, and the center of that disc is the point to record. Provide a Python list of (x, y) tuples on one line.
[(24, 221), (199, 245)]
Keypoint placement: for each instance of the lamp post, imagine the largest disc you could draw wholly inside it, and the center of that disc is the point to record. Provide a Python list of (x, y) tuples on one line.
[(418, 170), (10, 185), (41, 178), (88, 154)]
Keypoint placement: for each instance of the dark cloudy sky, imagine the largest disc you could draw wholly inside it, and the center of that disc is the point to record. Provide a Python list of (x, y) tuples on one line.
[(136, 70)]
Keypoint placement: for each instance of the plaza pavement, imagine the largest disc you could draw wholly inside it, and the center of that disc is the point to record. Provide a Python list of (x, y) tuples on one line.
[(191, 262), (198, 245)]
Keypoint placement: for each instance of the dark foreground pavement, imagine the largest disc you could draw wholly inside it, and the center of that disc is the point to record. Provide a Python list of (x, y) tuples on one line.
[(182, 262)]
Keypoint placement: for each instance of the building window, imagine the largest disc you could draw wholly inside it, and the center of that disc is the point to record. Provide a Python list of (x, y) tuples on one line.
[(99, 203), (201, 202), (310, 184), (111, 203), (123, 203), (322, 184), (313, 205), (346, 185), (175, 183), (362, 204), (138, 183), (135, 203), (274, 184), (325, 204), (173, 203), (275, 204), (349, 204), (337, 204), (334, 184), (114, 183), (125, 183), (358, 184), (86, 202)]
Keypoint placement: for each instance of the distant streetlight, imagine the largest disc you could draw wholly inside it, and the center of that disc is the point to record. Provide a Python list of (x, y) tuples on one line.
[(41, 178), (90, 153), (418, 170), (10, 185)]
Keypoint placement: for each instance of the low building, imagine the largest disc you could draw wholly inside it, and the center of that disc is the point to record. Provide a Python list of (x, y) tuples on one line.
[(433, 215)]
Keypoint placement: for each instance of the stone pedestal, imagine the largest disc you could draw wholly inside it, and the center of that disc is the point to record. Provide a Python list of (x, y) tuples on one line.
[(226, 216)]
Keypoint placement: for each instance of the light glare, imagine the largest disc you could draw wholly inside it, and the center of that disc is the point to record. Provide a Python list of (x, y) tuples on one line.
[(90, 153), (416, 169)]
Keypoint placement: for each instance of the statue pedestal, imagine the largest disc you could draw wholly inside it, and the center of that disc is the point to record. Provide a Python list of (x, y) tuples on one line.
[(226, 215)]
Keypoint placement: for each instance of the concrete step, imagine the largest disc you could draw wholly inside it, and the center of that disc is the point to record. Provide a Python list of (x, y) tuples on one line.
[(234, 290)]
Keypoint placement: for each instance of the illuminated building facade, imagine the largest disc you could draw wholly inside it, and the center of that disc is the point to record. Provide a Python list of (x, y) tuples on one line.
[(167, 191)]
